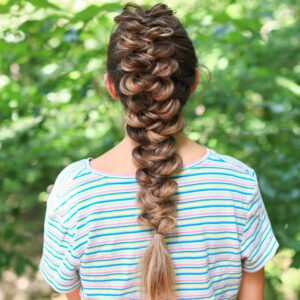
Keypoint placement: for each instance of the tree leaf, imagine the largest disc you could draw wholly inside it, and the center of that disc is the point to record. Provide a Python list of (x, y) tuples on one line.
[(43, 4), (93, 10)]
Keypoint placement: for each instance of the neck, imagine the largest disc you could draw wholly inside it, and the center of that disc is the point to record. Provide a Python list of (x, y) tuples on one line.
[(127, 142)]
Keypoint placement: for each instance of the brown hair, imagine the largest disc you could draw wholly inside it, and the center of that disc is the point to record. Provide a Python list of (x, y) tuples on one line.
[(152, 64)]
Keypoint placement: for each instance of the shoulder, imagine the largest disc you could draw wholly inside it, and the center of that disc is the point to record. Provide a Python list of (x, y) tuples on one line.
[(67, 174), (232, 164), (62, 183), (235, 173)]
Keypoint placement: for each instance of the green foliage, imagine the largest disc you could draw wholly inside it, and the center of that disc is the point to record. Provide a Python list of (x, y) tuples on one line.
[(54, 108)]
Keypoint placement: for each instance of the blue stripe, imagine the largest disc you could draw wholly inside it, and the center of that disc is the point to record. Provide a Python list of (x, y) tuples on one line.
[(67, 278)]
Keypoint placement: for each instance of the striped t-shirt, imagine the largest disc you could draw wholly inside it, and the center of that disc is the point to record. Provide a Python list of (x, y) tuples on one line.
[(92, 238)]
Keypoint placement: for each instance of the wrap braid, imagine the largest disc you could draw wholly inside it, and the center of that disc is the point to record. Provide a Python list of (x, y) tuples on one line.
[(152, 63)]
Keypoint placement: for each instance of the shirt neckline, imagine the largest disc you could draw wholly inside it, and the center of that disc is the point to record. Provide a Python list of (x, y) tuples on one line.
[(106, 174)]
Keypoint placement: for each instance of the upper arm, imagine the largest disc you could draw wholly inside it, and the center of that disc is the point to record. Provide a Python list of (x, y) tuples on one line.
[(252, 286), (75, 294)]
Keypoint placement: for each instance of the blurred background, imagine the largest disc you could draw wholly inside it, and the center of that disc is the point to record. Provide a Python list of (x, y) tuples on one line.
[(54, 110)]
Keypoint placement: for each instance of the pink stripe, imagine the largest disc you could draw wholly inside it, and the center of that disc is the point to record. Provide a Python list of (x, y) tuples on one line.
[(61, 237), (232, 167), (54, 246), (254, 229), (219, 181), (133, 269), (54, 259), (149, 237), (181, 217), (64, 271), (253, 246), (136, 254), (204, 280), (182, 200), (135, 189)]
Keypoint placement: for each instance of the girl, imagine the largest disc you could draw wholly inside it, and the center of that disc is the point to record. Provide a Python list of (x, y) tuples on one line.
[(158, 216)]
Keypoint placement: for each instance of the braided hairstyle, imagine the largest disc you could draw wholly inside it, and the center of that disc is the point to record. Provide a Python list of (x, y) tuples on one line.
[(152, 63)]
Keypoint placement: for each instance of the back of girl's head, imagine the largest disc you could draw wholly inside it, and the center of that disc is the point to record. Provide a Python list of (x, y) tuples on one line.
[(152, 63)]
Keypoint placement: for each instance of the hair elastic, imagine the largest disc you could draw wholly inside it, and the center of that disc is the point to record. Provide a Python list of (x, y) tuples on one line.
[(159, 232)]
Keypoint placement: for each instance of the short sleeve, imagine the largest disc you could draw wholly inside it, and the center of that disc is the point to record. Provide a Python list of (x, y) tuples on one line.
[(59, 265), (259, 243)]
